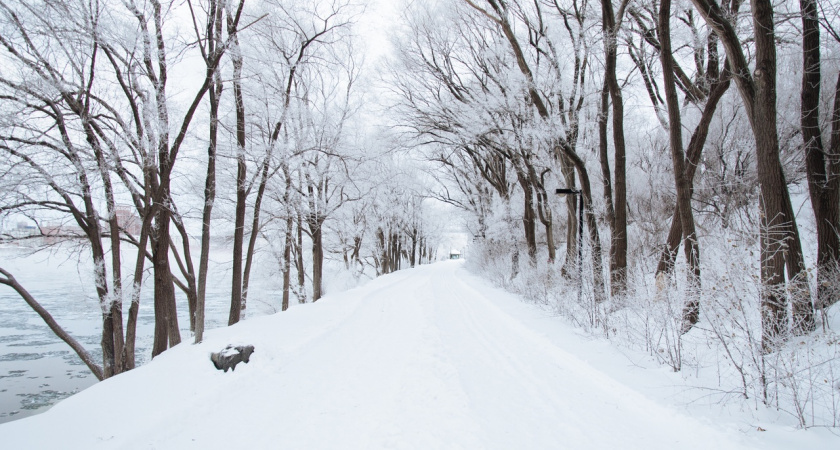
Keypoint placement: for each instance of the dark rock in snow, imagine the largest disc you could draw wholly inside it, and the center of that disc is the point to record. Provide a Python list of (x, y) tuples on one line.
[(230, 356)]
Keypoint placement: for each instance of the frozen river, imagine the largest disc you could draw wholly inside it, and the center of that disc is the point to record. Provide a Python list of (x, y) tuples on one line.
[(36, 368)]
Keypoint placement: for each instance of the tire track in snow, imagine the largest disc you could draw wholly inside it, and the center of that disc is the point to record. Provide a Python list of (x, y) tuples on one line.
[(562, 398), (430, 410)]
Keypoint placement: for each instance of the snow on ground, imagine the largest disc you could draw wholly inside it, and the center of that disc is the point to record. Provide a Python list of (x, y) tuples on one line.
[(426, 358)]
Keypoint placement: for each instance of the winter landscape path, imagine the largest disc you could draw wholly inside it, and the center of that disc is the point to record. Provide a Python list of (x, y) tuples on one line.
[(423, 358)]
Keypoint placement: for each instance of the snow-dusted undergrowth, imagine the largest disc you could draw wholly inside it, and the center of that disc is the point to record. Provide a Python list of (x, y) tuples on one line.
[(720, 359)]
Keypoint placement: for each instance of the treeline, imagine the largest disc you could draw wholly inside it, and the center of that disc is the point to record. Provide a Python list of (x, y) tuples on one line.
[(513, 99), (155, 125)]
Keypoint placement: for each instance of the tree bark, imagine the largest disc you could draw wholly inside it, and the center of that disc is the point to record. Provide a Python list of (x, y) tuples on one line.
[(214, 34), (780, 245), (317, 257), (682, 179), (287, 262), (822, 172), (693, 155), (241, 189), (167, 333), (301, 270), (618, 248), (567, 170), (255, 228), (529, 218), (134, 308)]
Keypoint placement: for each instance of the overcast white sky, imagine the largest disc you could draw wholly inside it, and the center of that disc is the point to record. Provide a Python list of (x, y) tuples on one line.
[(375, 26)]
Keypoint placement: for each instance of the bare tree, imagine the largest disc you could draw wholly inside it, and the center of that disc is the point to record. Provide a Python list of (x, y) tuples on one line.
[(292, 38), (212, 44), (780, 245), (611, 22), (822, 163), (681, 176), (499, 15)]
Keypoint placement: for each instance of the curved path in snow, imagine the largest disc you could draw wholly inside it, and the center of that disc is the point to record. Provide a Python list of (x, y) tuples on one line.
[(420, 359)]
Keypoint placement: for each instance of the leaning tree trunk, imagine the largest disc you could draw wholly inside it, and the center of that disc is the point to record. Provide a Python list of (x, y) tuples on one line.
[(83, 354), (693, 155), (255, 227), (134, 308)]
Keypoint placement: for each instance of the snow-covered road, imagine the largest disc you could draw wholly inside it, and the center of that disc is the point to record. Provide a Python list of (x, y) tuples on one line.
[(424, 358)]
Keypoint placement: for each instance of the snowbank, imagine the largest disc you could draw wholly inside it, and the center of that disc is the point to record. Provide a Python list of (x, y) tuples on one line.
[(430, 357)]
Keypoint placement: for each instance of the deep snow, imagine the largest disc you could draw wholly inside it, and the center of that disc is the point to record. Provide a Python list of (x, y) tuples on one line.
[(431, 357)]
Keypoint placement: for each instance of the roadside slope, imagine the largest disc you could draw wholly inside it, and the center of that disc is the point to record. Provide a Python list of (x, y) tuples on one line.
[(418, 359)]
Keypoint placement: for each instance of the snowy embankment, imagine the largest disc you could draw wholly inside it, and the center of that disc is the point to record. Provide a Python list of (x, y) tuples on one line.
[(427, 358)]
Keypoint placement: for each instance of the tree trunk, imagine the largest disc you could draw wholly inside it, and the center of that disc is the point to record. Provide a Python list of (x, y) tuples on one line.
[(134, 309), (568, 172), (779, 221), (544, 213), (241, 189), (112, 326), (255, 227), (682, 179), (287, 261), (301, 271), (780, 244), (618, 249), (317, 258), (186, 267), (693, 155), (604, 154), (413, 247), (383, 251), (823, 186), (206, 215), (529, 218), (832, 200), (167, 334), (214, 34)]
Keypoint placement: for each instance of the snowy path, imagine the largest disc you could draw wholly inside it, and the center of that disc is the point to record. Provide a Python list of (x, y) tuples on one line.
[(418, 359)]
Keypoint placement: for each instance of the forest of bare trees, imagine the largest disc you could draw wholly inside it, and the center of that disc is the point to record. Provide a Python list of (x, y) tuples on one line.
[(516, 98), (124, 110), (628, 104), (697, 125)]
